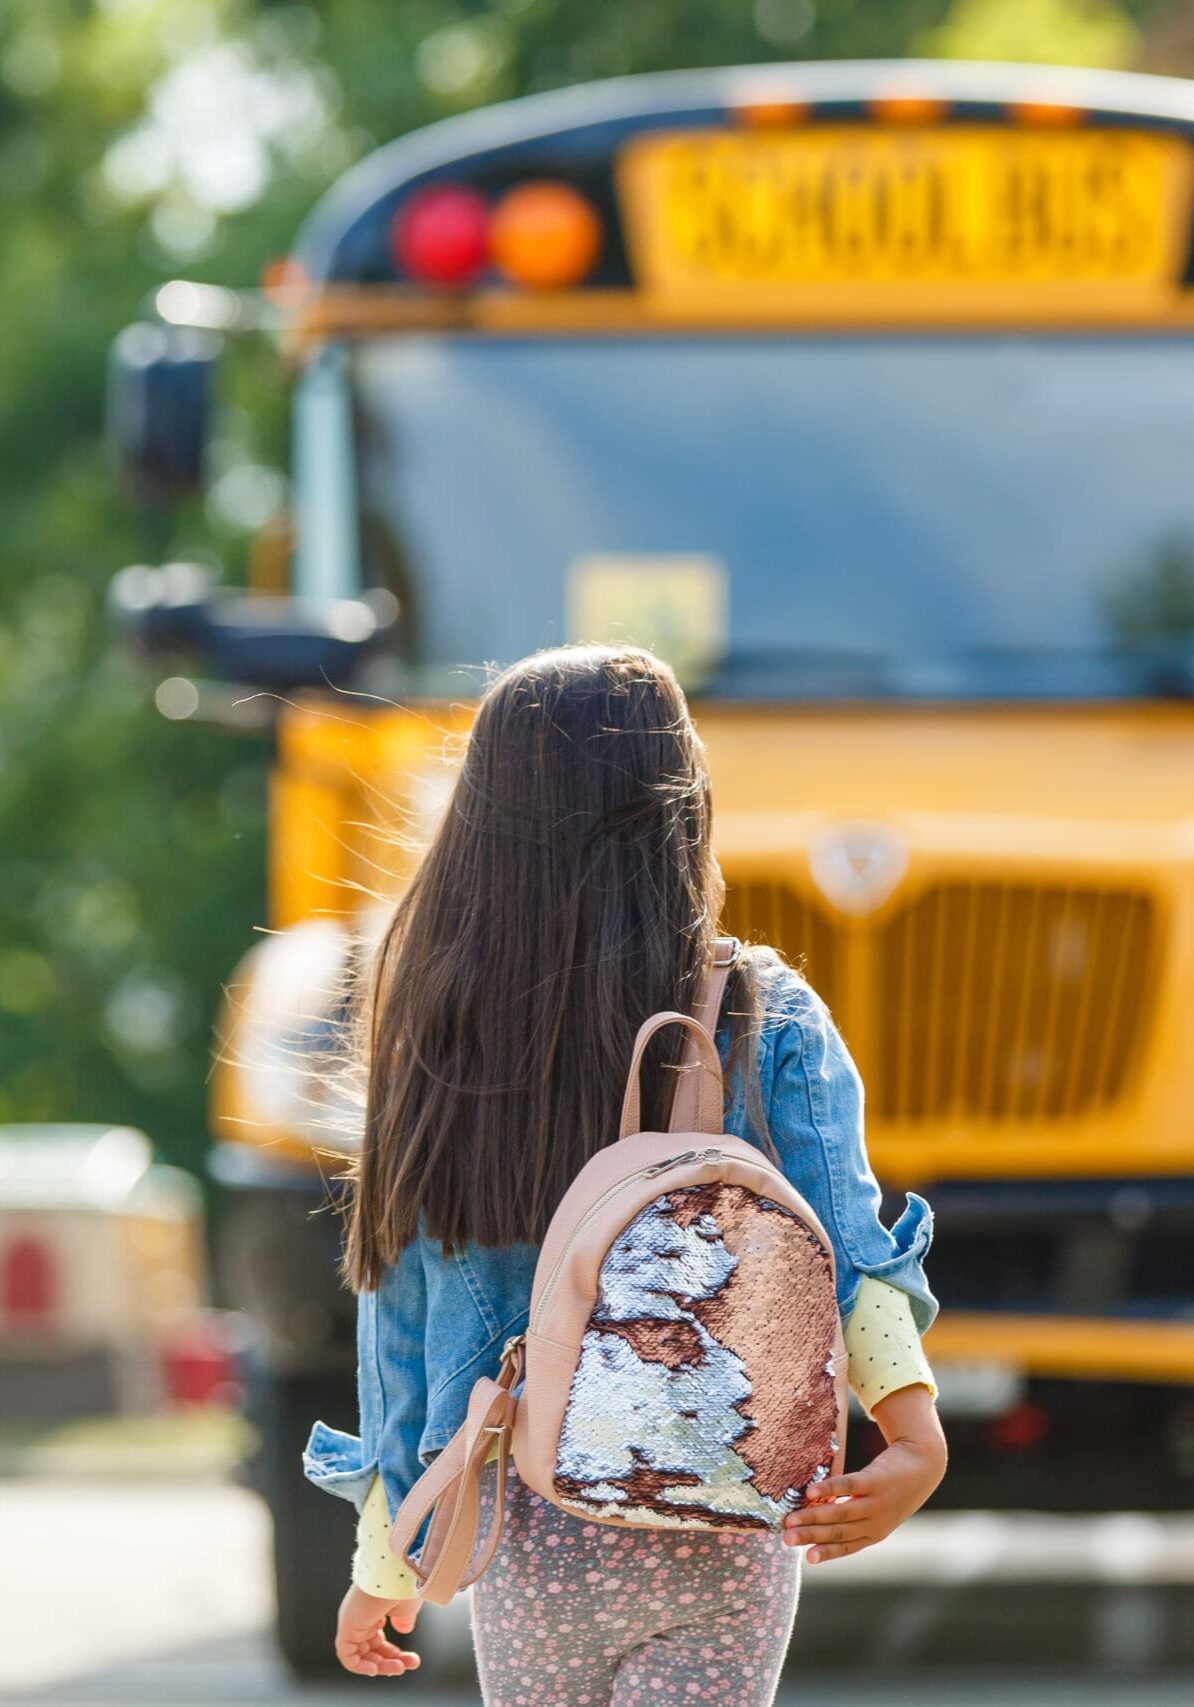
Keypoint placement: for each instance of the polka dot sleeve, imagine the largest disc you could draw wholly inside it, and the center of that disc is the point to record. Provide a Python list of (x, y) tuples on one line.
[(374, 1567), (883, 1346)]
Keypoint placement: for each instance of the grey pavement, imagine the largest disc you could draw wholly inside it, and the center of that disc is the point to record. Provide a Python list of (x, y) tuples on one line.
[(147, 1594)]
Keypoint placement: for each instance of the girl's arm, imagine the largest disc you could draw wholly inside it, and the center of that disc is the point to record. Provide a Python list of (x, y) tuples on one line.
[(374, 1568), (816, 1122), (382, 1592), (844, 1514), (883, 1345), (891, 1376), (362, 1645), (392, 1396)]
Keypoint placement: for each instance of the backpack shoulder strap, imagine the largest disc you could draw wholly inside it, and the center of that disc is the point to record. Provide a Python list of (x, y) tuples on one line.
[(449, 1491), (705, 1011), (722, 961)]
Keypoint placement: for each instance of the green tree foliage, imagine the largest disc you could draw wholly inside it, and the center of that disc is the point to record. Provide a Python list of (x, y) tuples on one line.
[(145, 138), (1085, 32)]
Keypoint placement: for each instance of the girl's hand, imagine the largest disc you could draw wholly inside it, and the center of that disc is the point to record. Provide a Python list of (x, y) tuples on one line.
[(844, 1514), (361, 1642)]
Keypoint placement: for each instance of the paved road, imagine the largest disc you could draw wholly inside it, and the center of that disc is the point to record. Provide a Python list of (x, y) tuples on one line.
[(139, 1596), (248, 1677)]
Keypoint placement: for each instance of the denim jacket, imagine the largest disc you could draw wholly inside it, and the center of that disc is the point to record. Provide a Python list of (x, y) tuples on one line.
[(435, 1323)]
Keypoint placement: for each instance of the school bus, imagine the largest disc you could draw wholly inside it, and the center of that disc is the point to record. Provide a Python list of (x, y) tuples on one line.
[(864, 393)]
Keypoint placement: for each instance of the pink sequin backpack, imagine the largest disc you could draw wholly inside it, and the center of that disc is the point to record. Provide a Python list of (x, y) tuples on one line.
[(683, 1367)]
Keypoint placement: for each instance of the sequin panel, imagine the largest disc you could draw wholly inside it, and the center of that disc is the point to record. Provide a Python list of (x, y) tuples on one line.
[(704, 1393)]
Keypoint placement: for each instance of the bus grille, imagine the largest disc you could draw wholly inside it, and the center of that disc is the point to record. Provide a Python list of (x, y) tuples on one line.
[(775, 914), (990, 1002)]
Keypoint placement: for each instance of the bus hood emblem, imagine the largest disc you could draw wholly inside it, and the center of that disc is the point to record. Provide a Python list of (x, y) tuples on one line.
[(857, 866)]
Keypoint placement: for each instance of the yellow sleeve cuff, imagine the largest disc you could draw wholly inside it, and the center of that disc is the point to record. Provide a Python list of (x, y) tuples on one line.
[(374, 1568), (883, 1346)]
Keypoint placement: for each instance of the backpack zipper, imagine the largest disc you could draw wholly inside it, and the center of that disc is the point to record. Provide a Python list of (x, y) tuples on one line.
[(687, 1156), (709, 1155)]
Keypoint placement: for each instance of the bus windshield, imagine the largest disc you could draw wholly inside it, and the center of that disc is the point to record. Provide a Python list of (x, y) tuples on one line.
[(896, 517)]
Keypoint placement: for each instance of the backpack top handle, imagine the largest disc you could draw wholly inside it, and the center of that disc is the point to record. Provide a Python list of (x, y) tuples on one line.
[(698, 1102)]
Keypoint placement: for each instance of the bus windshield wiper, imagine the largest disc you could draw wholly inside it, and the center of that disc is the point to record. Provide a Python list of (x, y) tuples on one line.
[(1161, 670), (1153, 668), (806, 670)]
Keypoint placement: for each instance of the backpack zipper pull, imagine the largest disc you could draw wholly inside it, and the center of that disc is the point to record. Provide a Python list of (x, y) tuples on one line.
[(708, 1156), (671, 1162)]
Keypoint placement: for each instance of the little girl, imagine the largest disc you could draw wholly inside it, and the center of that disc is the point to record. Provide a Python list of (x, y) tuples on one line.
[(570, 892)]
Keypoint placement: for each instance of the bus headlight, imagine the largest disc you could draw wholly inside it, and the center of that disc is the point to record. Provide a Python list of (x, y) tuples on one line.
[(284, 1068)]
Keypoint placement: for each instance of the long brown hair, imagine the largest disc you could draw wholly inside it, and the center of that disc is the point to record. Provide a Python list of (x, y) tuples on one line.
[(569, 892)]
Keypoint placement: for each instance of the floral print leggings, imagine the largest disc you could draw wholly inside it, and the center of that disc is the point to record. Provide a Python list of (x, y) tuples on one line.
[(576, 1614)]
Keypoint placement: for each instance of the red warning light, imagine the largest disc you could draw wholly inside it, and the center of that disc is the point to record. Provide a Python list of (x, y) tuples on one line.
[(441, 235)]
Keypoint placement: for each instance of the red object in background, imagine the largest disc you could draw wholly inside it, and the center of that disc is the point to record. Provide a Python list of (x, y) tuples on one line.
[(28, 1289), (1020, 1429), (199, 1365), (441, 235)]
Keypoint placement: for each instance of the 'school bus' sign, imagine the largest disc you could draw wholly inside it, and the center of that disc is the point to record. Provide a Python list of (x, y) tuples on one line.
[(850, 204)]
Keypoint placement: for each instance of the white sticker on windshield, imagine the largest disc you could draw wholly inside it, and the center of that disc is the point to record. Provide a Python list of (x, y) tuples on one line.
[(676, 605)]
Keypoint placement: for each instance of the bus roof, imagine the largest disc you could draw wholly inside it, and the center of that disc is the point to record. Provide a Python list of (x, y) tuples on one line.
[(581, 126)]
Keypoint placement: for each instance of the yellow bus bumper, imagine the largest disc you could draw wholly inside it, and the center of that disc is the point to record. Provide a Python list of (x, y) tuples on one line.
[(1075, 1348)]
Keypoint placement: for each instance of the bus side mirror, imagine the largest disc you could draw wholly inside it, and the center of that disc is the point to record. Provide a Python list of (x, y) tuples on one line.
[(160, 384), (269, 640)]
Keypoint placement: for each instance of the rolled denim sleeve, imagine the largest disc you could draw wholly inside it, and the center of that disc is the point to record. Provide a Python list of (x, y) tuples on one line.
[(392, 1373), (816, 1120), (391, 1394)]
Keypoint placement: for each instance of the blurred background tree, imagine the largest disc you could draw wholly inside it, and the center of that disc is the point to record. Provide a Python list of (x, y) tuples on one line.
[(145, 138)]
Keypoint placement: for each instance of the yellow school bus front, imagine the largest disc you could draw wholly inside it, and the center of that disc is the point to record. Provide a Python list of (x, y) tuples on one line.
[(866, 395)]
